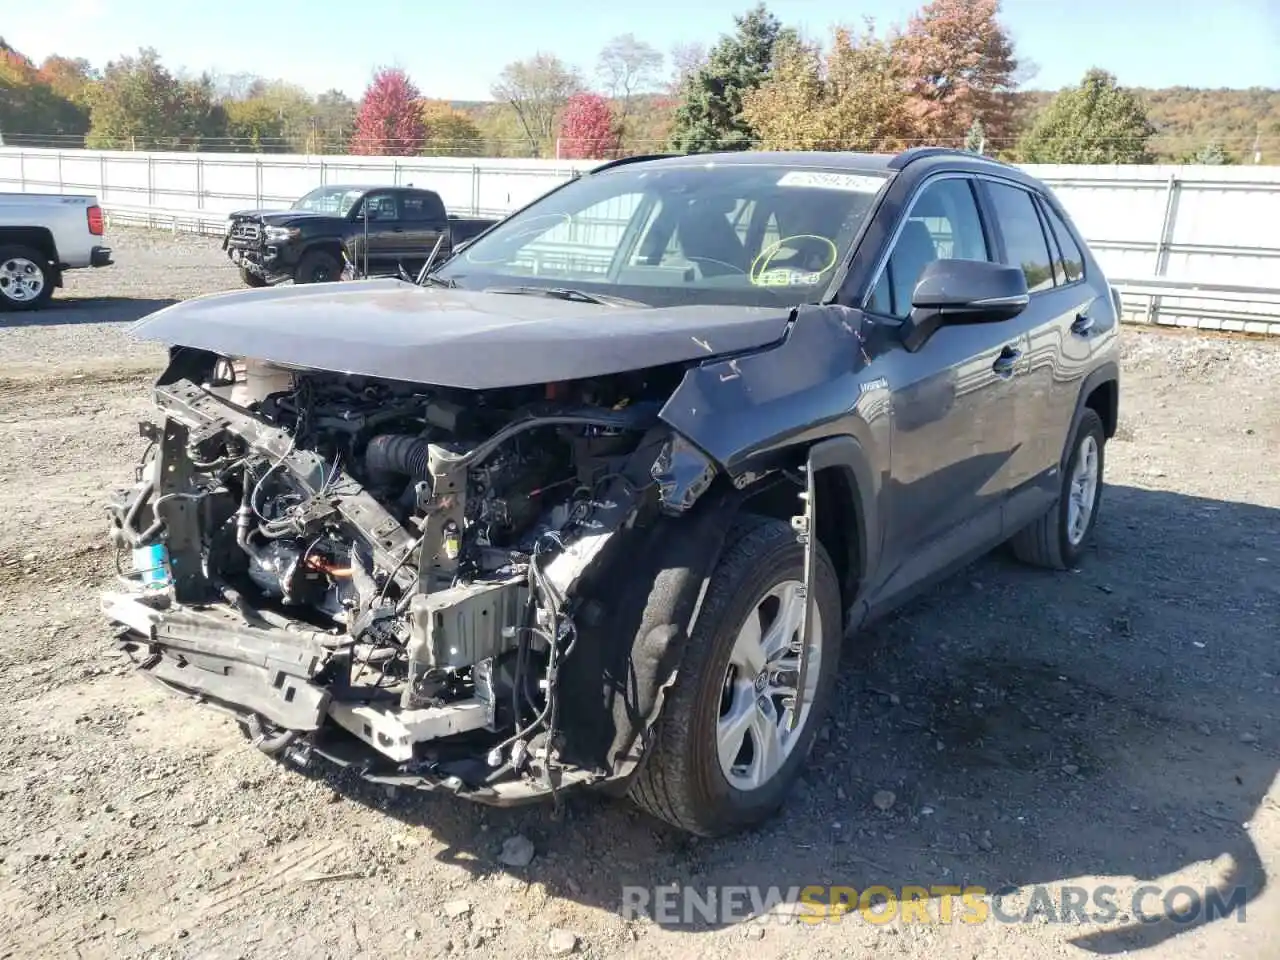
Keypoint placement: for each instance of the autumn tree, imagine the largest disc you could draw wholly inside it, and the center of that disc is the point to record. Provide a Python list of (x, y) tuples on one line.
[(627, 67), (71, 79), (710, 116), (32, 112), (141, 105), (960, 66), (537, 89), (389, 121), (587, 130), (449, 131), (1096, 122), (850, 97)]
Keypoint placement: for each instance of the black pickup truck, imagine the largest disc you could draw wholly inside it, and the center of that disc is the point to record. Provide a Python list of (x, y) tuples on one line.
[(306, 243)]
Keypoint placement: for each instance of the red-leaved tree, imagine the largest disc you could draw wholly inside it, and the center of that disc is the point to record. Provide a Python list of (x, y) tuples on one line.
[(389, 123), (587, 130), (962, 67)]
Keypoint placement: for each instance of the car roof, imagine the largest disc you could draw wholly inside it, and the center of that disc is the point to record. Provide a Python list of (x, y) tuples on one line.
[(367, 186), (918, 160)]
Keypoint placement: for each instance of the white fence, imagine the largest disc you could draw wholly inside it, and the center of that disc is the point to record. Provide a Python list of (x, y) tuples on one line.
[(1161, 232)]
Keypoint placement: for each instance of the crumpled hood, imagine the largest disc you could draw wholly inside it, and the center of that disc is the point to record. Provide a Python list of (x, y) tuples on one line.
[(454, 338)]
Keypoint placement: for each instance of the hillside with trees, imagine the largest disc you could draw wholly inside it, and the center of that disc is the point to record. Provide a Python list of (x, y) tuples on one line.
[(949, 74)]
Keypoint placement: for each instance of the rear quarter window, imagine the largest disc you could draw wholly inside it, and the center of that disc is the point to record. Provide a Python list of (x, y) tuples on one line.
[(1071, 264)]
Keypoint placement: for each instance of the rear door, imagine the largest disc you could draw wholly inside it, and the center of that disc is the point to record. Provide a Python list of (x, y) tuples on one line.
[(951, 433), (1049, 379)]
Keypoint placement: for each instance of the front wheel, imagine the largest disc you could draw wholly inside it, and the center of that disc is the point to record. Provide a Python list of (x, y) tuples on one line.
[(724, 753), (26, 280), (318, 266), (251, 279)]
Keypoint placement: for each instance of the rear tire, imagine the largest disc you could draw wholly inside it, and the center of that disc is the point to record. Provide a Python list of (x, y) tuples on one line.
[(26, 278), (251, 279), (693, 777), (1059, 538), (317, 266)]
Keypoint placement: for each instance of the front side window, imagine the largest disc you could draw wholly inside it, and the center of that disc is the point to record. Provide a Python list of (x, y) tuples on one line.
[(942, 224), (380, 207), (1024, 241), (752, 234)]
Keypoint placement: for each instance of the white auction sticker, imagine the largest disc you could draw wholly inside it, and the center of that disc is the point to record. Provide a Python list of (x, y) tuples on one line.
[(826, 180)]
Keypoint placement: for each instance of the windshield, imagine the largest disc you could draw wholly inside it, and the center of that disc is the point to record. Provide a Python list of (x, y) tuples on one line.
[(738, 233), (335, 200)]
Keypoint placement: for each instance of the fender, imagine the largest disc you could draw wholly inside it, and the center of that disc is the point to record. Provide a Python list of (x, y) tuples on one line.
[(632, 631), (847, 458), (1106, 372)]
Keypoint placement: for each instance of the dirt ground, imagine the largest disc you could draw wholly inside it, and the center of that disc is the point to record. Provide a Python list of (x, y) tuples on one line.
[(1116, 725)]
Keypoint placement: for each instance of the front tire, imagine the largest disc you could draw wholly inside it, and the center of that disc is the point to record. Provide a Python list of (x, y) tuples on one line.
[(317, 266), (251, 279), (1059, 538), (26, 279), (722, 757)]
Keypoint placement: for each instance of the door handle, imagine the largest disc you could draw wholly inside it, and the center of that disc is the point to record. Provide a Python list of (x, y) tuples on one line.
[(1082, 325), (1005, 363)]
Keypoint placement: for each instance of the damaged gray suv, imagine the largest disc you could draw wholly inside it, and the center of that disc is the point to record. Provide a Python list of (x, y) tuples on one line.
[(593, 503)]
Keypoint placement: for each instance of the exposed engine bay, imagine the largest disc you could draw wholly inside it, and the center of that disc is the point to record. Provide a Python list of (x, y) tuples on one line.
[(390, 562)]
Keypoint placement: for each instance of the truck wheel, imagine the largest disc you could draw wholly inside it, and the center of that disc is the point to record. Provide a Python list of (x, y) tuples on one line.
[(317, 266), (26, 282), (251, 279), (722, 758), (1058, 539)]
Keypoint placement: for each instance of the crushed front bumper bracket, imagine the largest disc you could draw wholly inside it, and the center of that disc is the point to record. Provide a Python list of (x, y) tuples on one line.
[(217, 655)]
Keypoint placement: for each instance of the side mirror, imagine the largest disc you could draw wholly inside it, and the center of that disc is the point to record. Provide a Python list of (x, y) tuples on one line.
[(963, 291)]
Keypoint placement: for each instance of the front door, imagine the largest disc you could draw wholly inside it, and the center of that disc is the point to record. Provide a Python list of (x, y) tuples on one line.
[(952, 437), (386, 232)]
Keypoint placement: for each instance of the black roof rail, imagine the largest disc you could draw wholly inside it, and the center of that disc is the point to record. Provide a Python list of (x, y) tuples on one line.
[(912, 154), (622, 161)]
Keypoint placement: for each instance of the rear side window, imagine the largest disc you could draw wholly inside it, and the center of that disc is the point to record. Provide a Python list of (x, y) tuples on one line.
[(422, 206), (1024, 240), (1072, 260)]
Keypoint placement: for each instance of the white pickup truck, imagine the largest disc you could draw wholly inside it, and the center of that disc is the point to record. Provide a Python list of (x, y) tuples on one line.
[(41, 235)]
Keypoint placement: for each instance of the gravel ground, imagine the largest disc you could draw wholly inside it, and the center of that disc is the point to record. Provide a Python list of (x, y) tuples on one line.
[(1116, 724)]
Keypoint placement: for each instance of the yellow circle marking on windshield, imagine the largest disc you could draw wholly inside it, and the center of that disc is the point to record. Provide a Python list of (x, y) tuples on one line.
[(760, 265), (530, 229)]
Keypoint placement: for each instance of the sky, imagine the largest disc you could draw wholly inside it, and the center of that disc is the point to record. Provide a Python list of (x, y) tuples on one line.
[(455, 50)]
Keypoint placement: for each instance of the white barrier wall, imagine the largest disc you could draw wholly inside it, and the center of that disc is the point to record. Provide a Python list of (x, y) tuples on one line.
[(1212, 225)]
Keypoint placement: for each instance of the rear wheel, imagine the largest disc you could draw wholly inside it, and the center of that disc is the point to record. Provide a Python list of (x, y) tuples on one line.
[(724, 754), (1059, 538), (26, 279), (251, 279), (317, 266)]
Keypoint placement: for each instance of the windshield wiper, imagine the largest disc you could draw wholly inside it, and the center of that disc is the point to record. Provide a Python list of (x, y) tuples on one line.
[(565, 293), (434, 281)]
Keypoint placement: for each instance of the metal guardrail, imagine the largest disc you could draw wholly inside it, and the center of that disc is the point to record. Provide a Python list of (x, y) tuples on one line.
[(1204, 312)]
